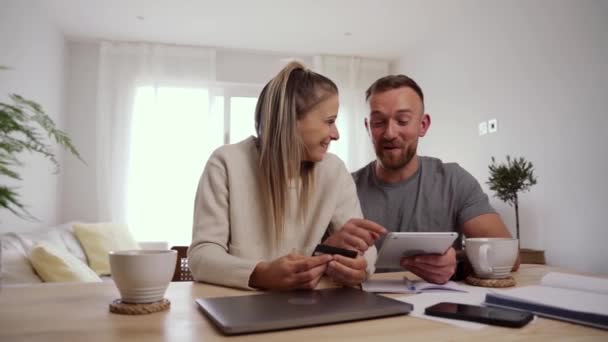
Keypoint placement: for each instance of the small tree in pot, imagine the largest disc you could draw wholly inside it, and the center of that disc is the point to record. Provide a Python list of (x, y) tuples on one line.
[(509, 179)]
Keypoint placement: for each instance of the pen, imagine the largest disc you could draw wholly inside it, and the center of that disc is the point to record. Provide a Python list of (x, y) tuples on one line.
[(410, 285)]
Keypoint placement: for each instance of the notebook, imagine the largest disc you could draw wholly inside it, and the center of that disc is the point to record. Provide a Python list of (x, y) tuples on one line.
[(406, 285), (567, 297), (284, 310)]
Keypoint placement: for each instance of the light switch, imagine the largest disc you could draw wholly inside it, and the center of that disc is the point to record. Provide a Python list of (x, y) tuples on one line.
[(483, 128), (493, 126)]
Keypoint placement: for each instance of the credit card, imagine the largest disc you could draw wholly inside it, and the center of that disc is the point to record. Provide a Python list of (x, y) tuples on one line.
[(326, 249)]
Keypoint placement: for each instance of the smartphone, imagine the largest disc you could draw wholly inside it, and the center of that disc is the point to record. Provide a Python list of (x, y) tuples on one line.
[(326, 249), (481, 314)]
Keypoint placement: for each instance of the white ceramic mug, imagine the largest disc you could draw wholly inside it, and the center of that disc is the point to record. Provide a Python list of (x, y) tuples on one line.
[(142, 276), (492, 257)]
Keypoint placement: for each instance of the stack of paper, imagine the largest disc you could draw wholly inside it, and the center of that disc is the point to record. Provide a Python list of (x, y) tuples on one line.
[(566, 297)]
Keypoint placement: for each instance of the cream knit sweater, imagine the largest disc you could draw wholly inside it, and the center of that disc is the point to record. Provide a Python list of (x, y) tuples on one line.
[(229, 233)]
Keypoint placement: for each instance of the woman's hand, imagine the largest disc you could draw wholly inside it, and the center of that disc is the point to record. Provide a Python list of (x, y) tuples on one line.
[(347, 271), (289, 272), (356, 234)]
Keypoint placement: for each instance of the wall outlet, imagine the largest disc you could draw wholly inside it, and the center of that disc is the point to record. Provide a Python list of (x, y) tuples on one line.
[(483, 128), (492, 126)]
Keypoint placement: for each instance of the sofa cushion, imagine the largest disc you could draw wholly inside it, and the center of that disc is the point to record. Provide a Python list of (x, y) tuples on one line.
[(56, 264), (32, 238), (98, 239), (66, 231), (61, 235), (15, 267)]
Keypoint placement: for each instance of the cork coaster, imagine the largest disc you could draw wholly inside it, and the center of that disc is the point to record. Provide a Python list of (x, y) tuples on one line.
[(504, 282), (118, 307)]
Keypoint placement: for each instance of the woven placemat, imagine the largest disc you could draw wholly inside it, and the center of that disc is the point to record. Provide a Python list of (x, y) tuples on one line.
[(118, 307), (504, 282)]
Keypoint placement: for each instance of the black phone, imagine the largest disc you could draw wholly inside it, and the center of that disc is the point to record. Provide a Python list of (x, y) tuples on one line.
[(481, 314), (326, 249)]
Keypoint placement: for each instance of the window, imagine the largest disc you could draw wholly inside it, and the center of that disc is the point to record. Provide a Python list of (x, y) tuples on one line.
[(173, 133), (242, 118)]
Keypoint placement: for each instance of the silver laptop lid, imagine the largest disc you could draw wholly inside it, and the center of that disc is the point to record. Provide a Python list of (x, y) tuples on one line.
[(284, 310)]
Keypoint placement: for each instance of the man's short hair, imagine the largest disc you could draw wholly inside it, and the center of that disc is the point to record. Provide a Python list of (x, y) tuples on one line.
[(391, 82)]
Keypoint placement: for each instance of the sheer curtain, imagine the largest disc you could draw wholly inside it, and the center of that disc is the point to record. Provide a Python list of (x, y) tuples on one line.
[(143, 124), (353, 75)]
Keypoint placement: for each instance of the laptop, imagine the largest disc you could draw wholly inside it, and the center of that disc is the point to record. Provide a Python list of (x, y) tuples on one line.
[(285, 310)]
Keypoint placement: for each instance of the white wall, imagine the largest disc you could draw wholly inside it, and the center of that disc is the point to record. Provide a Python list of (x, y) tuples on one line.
[(34, 50), (250, 66), (540, 69)]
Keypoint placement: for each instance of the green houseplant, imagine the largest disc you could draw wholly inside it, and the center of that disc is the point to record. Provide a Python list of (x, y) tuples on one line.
[(509, 179), (25, 127)]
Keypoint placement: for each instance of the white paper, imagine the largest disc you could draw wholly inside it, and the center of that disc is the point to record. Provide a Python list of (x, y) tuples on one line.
[(418, 286), (408, 286), (474, 296), (576, 282)]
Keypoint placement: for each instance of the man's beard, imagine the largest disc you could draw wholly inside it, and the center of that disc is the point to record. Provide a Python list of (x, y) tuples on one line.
[(401, 161)]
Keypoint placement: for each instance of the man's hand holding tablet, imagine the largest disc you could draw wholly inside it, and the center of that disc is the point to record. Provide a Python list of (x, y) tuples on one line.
[(433, 268), (428, 255)]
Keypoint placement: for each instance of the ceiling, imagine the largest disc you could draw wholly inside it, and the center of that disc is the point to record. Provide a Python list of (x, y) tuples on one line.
[(370, 28)]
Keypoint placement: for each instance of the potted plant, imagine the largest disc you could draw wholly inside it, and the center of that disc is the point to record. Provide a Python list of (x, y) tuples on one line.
[(24, 126), (508, 180)]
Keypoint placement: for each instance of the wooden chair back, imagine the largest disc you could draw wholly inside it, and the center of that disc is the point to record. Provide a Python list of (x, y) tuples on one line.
[(182, 271)]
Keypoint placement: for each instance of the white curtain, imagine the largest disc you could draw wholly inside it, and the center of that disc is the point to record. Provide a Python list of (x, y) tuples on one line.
[(124, 69), (353, 75)]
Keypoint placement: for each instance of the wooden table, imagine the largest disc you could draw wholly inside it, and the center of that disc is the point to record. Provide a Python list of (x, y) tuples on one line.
[(79, 312)]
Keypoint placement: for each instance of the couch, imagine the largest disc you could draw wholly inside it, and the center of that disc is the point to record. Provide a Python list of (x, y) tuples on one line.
[(15, 248)]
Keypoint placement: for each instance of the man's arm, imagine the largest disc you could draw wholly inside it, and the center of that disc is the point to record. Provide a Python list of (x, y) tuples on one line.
[(487, 225), (439, 268), (476, 217)]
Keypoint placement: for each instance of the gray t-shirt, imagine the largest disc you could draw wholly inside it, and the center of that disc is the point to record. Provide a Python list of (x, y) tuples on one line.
[(439, 197)]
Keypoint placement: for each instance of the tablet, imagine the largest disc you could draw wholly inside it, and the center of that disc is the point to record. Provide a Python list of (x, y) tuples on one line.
[(397, 245)]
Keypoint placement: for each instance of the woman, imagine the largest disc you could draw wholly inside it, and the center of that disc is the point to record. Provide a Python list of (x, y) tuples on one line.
[(263, 204)]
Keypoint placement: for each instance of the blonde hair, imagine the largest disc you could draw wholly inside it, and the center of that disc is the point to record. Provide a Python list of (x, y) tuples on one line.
[(292, 93)]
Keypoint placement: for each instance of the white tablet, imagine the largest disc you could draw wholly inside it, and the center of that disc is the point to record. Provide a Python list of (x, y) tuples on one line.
[(397, 245)]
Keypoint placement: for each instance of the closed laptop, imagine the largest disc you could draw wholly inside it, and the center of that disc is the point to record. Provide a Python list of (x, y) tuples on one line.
[(284, 310)]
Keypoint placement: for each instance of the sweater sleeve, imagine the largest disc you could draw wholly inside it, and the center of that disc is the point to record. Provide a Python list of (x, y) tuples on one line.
[(348, 207), (208, 256)]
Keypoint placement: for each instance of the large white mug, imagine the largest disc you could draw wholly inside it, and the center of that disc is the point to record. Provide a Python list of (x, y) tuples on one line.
[(492, 257), (142, 276)]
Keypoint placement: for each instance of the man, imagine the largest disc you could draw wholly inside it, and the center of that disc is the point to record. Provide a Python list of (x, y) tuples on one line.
[(405, 192)]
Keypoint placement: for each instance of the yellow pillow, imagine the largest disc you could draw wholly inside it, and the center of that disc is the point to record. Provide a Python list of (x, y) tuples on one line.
[(97, 239), (56, 264)]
